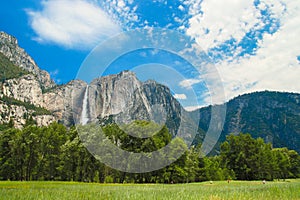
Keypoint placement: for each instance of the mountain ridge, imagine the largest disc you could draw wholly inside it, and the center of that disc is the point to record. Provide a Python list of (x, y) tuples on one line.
[(19, 57), (274, 116)]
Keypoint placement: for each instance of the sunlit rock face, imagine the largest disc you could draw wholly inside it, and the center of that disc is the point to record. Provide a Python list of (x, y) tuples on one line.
[(18, 56), (126, 99)]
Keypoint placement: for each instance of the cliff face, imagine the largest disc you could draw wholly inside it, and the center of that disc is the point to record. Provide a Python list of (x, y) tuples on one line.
[(35, 90), (58, 101), (124, 98), (20, 114), (111, 95), (9, 47), (25, 88), (21, 96), (66, 100)]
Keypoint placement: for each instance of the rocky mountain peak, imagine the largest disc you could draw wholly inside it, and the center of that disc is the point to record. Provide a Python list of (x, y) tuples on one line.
[(124, 98), (9, 47), (8, 39), (124, 75)]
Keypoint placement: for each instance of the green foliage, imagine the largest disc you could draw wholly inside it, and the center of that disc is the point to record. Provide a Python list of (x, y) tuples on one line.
[(252, 159), (8, 70), (28, 106), (47, 90), (57, 153), (6, 126), (118, 135), (212, 169)]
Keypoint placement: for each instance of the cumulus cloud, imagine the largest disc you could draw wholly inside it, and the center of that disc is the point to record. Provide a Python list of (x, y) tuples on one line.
[(180, 96), (188, 83), (274, 65), (220, 21), (75, 24)]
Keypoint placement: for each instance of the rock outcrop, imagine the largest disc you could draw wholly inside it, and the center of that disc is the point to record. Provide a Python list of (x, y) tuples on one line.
[(18, 56), (122, 95), (23, 97), (63, 101), (25, 88), (122, 98), (19, 115), (125, 99)]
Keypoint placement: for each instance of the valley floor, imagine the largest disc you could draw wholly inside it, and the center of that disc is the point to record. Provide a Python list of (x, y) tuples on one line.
[(289, 189)]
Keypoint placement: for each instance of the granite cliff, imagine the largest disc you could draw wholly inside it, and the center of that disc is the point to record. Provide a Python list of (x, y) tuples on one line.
[(28, 93)]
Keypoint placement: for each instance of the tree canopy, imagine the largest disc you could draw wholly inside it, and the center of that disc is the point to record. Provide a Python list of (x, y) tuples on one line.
[(57, 153)]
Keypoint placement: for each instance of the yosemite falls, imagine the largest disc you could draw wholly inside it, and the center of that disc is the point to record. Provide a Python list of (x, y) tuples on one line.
[(84, 113)]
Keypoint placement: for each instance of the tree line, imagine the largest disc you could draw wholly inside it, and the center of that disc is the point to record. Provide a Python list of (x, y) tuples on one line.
[(57, 153)]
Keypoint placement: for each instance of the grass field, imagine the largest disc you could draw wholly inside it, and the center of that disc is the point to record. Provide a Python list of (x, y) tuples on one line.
[(289, 189)]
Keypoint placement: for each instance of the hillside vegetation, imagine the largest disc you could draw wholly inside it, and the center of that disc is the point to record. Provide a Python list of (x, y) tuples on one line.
[(273, 116), (8, 70), (57, 153)]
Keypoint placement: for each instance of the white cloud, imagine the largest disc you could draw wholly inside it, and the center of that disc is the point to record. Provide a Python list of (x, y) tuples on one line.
[(192, 108), (221, 21), (180, 96), (274, 65), (75, 24), (123, 10), (180, 7), (188, 83)]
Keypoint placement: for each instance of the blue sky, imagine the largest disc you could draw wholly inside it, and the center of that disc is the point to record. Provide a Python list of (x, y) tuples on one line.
[(253, 44)]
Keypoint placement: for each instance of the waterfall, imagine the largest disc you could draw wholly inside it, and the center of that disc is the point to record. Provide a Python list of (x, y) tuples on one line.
[(84, 114)]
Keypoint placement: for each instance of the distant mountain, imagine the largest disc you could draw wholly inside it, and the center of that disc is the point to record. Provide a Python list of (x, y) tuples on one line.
[(122, 98), (273, 116), (27, 92)]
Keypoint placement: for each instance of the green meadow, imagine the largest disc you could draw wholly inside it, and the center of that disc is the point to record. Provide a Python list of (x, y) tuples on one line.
[(289, 189)]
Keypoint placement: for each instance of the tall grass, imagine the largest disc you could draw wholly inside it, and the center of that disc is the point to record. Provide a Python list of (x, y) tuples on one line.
[(217, 190)]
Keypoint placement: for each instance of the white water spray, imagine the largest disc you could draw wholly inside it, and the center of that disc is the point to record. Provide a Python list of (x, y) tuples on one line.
[(84, 114)]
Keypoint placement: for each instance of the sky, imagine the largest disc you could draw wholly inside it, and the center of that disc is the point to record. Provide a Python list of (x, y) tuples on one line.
[(252, 45)]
